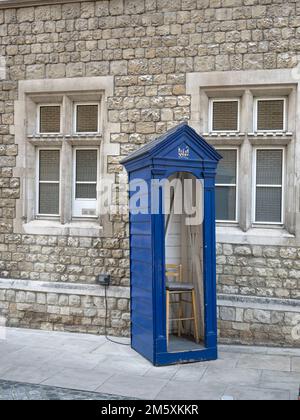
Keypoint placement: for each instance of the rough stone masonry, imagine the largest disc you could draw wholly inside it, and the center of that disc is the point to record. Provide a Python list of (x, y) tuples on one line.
[(149, 47)]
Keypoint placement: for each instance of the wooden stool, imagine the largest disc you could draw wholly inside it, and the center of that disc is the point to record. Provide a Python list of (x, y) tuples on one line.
[(179, 288)]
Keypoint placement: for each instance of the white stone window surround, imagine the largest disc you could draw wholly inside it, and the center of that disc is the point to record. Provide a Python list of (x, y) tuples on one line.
[(65, 92), (248, 85)]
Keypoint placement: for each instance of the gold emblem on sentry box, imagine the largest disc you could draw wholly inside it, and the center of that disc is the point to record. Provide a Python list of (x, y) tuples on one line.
[(183, 152)]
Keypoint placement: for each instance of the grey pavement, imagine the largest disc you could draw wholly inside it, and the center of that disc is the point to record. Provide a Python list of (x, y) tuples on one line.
[(40, 363)]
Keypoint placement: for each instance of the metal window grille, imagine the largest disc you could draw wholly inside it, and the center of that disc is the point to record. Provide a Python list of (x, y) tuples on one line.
[(49, 182), (269, 186), (225, 115), (226, 186), (50, 119), (270, 115), (87, 117)]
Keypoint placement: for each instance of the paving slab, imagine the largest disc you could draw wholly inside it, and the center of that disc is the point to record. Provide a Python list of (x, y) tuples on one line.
[(87, 380), (80, 360), (133, 386), (227, 376), (28, 374), (132, 366), (187, 373), (165, 372), (189, 390), (243, 393), (266, 362), (36, 356)]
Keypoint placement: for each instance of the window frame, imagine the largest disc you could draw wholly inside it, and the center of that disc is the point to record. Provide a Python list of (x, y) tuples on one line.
[(211, 107), (236, 185), (255, 185), (38, 182), (83, 133), (38, 124), (255, 113), (74, 183)]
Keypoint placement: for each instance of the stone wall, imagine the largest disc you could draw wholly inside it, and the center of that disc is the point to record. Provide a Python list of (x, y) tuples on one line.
[(148, 46), (62, 307), (263, 321), (264, 271)]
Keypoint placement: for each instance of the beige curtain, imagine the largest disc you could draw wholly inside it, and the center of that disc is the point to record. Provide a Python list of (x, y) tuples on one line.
[(190, 255)]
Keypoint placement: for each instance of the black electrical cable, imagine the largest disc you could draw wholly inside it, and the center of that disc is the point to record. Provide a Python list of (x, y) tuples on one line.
[(105, 322)]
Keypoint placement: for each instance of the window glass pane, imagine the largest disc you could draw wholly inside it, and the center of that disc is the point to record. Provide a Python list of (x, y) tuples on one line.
[(49, 165), (225, 116), (86, 191), (49, 199), (226, 203), (87, 119), (270, 115), (50, 119), (86, 165), (268, 204), (226, 173), (269, 167)]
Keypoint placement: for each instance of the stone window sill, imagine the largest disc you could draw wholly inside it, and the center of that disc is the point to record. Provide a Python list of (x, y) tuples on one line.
[(52, 227), (255, 236)]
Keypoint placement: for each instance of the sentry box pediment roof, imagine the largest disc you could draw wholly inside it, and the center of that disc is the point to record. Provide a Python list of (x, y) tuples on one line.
[(181, 144)]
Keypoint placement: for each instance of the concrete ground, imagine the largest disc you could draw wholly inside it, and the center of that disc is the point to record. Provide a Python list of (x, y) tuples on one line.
[(91, 363)]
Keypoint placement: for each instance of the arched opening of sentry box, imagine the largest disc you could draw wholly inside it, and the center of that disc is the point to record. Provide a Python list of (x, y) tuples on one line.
[(183, 205)]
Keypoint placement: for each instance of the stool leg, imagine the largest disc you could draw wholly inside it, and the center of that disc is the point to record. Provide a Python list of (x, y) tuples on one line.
[(168, 316), (196, 333), (180, 315)]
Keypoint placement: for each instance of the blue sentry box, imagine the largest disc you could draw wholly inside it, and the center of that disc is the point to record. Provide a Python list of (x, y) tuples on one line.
[(179, 150)]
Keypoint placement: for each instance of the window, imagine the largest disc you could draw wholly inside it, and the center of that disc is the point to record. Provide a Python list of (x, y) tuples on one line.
[(224, 115), (226, 186), (269, 172), (48, 182), (85, 182), (49, 119), (87, 118), (270, 115)]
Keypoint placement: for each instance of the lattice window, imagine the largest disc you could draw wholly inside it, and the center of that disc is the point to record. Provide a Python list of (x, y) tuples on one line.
[(87, 118), (49, 182), (85, 180), (225, 115), (270, 115), (49, 119), (269, 185), (226, 185)]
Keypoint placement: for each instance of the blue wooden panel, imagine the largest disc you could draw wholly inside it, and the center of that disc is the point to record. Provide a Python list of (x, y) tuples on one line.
[(142, 341), (141, 229), (138, 254), (142, 241)]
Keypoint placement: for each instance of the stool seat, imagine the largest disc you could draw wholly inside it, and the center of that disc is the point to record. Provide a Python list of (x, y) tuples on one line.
[(179, 287)]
